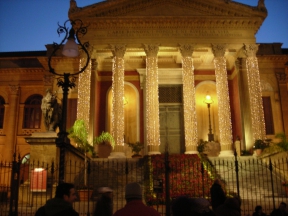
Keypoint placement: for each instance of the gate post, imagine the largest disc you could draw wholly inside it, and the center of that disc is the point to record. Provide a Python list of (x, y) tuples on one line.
[(14, 187), (272, 185), (167, 182), (237, 172)]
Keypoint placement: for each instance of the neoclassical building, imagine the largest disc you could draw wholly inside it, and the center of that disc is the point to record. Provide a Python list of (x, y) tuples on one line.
[(152, 65)]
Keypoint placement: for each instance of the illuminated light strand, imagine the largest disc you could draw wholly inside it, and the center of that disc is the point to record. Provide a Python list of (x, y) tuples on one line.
[(152, 101), (190, 117), (117, 111), (84, 88), (255, 94), (224, 112)]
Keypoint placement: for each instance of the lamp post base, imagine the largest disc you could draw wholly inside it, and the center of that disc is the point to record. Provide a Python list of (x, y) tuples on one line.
[(210, 137)]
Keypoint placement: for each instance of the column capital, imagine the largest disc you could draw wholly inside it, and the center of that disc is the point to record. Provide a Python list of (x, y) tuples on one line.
[(14, 89), (118, 50), (250, 50), (151, 50), (94, 64), (218, 50), (186, 50)]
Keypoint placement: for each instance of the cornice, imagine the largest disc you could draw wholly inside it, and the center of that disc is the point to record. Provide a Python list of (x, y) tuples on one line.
[(269, 58), (172, 22), (11, 71)]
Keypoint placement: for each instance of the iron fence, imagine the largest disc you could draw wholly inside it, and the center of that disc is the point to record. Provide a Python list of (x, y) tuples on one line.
[(26, 187)]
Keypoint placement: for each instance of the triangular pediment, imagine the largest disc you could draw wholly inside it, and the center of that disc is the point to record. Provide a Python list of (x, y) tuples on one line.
[(154, 8)]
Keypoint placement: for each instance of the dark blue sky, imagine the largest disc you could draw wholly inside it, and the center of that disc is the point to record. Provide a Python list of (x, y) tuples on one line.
[(27, 25)]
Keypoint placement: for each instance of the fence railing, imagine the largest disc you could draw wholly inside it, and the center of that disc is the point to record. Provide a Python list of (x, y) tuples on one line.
[(257, 182)]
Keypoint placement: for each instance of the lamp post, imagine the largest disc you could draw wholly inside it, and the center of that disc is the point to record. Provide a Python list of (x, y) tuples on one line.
[(208, 100), (67, 80)]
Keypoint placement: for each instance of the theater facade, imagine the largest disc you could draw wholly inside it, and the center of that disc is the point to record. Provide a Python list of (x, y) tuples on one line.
[(152, 65)]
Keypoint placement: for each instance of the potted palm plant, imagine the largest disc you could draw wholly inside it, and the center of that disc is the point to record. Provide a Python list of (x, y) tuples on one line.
[(105, 144), (79, 133), (136, 148), (259, 145), (278, 146)]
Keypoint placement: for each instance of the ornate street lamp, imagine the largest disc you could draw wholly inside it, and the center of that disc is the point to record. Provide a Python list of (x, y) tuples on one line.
[(208, 100), (67, 80)]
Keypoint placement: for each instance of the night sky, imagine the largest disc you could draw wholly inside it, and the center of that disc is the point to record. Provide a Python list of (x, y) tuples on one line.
[(27, 25)]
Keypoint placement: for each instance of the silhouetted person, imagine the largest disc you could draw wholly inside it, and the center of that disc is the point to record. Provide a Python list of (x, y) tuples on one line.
[(200, 207), (281, 211), (134, 205), (104, 205), (231, 207), (184, 206), (181, 206), (62, 203), (258, 211), (218, 195)]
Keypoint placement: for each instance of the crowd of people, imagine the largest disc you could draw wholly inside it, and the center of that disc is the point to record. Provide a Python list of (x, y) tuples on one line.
[(220, 205)]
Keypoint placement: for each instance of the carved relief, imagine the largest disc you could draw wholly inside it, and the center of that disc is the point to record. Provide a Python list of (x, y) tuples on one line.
[(265, 86), (122, 8), (281, 77), (48, 80), (156, 32), (14, 89), (261, 6)]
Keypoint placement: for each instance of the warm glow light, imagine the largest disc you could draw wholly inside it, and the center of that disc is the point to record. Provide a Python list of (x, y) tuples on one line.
[(208, 99), (38, 169), (125, 101)]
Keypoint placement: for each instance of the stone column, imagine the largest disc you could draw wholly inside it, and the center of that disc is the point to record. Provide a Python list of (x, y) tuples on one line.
[(255, 95), (152, 102), (117, 112), (224, 112), (282, 79), (190, 118), (11, 131)]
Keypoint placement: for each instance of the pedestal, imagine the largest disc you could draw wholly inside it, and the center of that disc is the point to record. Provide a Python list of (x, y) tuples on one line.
[(43, 147)]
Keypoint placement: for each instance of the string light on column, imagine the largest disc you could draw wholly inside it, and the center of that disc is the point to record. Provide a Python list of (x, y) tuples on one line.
[(190, 117), (255, 95), (117, 112), (224, 112), (84, 88), (152, 102)]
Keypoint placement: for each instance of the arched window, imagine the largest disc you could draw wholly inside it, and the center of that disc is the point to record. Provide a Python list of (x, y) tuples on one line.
[(2, 111), (32, 112)]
